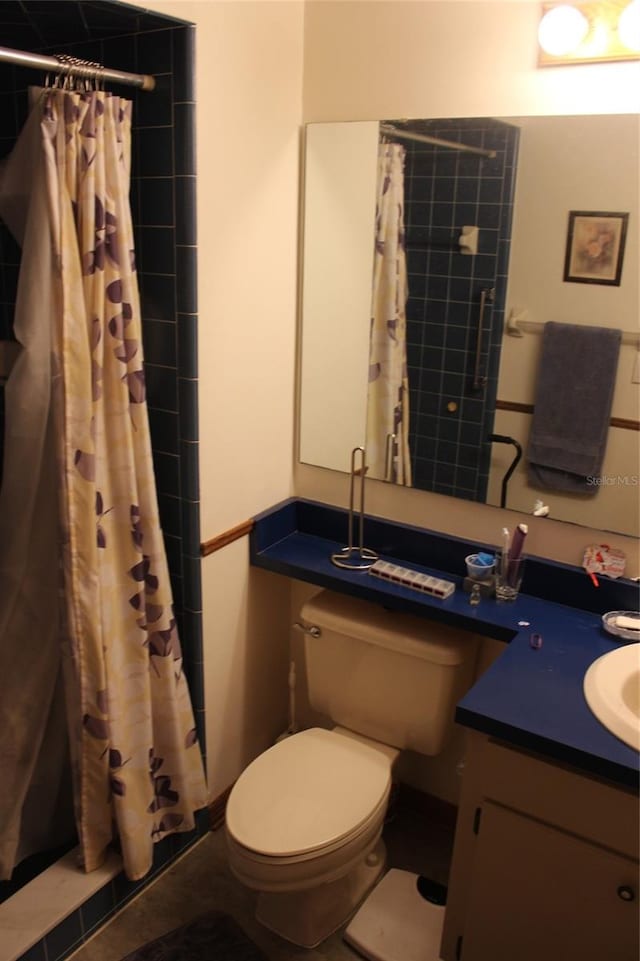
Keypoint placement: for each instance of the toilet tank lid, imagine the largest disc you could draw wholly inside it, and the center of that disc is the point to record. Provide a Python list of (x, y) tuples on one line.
[(394, 630), (306, 792)]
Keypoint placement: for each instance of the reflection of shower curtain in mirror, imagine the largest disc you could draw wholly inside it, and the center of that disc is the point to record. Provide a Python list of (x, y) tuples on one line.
[(387, 440)]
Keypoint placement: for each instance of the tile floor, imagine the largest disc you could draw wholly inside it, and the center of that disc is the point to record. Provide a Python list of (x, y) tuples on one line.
[(419, 837)]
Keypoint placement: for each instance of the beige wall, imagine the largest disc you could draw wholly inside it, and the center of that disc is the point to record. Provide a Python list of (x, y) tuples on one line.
[(250, 89), (248, 114), (461, 58), (451, 58), (438, 775), (562, 167), (246, 620), (340, 170), (366, 61), (249, 71)]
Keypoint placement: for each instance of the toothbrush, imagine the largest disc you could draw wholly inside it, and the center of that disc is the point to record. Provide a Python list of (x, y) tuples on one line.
[(504, 561), (519, 535), (515, 553)]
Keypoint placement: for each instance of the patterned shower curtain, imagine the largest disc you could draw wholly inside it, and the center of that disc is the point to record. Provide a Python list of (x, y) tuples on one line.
[(387, 435), (136, 761), (35, 788)]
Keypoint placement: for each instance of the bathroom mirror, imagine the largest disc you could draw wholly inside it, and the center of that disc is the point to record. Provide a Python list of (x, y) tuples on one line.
[(488, 204)]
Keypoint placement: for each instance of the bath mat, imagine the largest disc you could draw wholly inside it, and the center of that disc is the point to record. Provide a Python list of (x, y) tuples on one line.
[(212, 937)]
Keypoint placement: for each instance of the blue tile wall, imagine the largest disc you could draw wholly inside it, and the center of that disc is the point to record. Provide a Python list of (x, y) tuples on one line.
[(450, 422), (164, 213)]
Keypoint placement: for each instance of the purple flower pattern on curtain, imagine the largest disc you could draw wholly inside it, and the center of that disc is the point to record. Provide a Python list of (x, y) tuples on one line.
[(137, 764), (387, 434)]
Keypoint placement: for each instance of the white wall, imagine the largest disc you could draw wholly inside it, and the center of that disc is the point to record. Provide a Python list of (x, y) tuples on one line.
[(248, 115), (249, 70), (562, 166), (438, 775), (250, 86), (246, 661), (340, 164), (367, 60), (550, 183)]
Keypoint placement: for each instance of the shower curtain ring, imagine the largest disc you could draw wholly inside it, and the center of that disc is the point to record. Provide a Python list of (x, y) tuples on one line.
[(62, 77), (98, 76)]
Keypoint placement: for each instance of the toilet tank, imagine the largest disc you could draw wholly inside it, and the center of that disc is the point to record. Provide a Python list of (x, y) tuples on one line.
[(390, 676)]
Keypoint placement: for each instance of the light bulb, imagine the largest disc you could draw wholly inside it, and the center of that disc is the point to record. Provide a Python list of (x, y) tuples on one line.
[(561, 30), (629, 26)]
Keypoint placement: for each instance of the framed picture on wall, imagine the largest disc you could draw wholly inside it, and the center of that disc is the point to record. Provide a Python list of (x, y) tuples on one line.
[(595, 247)]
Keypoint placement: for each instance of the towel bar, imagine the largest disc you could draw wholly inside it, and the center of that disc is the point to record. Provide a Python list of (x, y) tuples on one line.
[(624, 423), (487, 296), (515, 327)]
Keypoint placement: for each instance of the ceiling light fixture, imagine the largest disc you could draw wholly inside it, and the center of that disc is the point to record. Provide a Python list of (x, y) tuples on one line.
[(592, 32), (629, 26), (562, 30)]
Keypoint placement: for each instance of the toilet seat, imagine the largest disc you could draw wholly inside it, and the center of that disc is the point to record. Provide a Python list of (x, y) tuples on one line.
[(264, 873), (309, 794)]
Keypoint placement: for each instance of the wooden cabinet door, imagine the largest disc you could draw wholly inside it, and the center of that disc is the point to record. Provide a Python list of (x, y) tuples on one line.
[(540, 894)]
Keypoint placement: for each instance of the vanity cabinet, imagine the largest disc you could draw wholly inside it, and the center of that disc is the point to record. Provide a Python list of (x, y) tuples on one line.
[(545, 863)]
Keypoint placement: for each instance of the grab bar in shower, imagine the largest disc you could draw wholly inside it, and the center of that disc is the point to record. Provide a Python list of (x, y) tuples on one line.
[(487, 295), (505, 439), (388, 456)]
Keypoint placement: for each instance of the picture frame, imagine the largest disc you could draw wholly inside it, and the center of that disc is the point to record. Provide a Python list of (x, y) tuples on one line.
[(595, 247)]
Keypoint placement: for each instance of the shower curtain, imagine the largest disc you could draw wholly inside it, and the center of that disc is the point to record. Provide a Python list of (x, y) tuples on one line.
[(105, 598), (387, 431), (34, 766)]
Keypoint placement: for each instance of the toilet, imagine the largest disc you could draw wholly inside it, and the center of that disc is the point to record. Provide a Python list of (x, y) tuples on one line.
[(304, 820)]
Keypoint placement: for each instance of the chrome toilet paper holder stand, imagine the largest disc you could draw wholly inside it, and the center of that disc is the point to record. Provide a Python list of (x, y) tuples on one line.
[(356, 557)]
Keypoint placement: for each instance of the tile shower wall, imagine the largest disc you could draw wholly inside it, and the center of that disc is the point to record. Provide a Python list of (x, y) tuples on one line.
[(163, 207), (450, 421)]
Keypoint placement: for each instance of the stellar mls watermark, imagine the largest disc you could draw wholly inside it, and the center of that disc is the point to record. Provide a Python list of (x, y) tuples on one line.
[(614, 480)]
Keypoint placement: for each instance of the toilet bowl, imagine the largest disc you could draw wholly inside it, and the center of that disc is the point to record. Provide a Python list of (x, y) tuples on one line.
[(304, 820), (303, 826)]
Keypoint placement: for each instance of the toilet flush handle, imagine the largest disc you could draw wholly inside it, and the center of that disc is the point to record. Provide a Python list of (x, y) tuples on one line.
[(308, 629)]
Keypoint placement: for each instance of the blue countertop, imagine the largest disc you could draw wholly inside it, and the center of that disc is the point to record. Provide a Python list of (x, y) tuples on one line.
[(529, 698)]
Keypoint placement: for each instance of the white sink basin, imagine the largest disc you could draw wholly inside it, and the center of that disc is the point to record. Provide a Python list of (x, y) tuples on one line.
[(612, 691)]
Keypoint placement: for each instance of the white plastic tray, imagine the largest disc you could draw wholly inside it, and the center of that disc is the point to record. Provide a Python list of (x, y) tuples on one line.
[(609, 624)]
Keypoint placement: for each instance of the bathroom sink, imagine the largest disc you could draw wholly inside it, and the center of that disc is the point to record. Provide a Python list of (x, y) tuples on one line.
[(612, 691)]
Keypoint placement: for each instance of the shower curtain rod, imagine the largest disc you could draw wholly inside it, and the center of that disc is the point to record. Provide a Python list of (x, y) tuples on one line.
[(392, 131), (81, 68)]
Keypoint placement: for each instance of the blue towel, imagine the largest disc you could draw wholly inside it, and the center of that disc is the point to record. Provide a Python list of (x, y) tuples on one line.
[(574, 393)]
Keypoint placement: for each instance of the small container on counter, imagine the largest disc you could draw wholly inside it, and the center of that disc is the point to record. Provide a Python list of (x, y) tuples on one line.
[(480, 575)]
